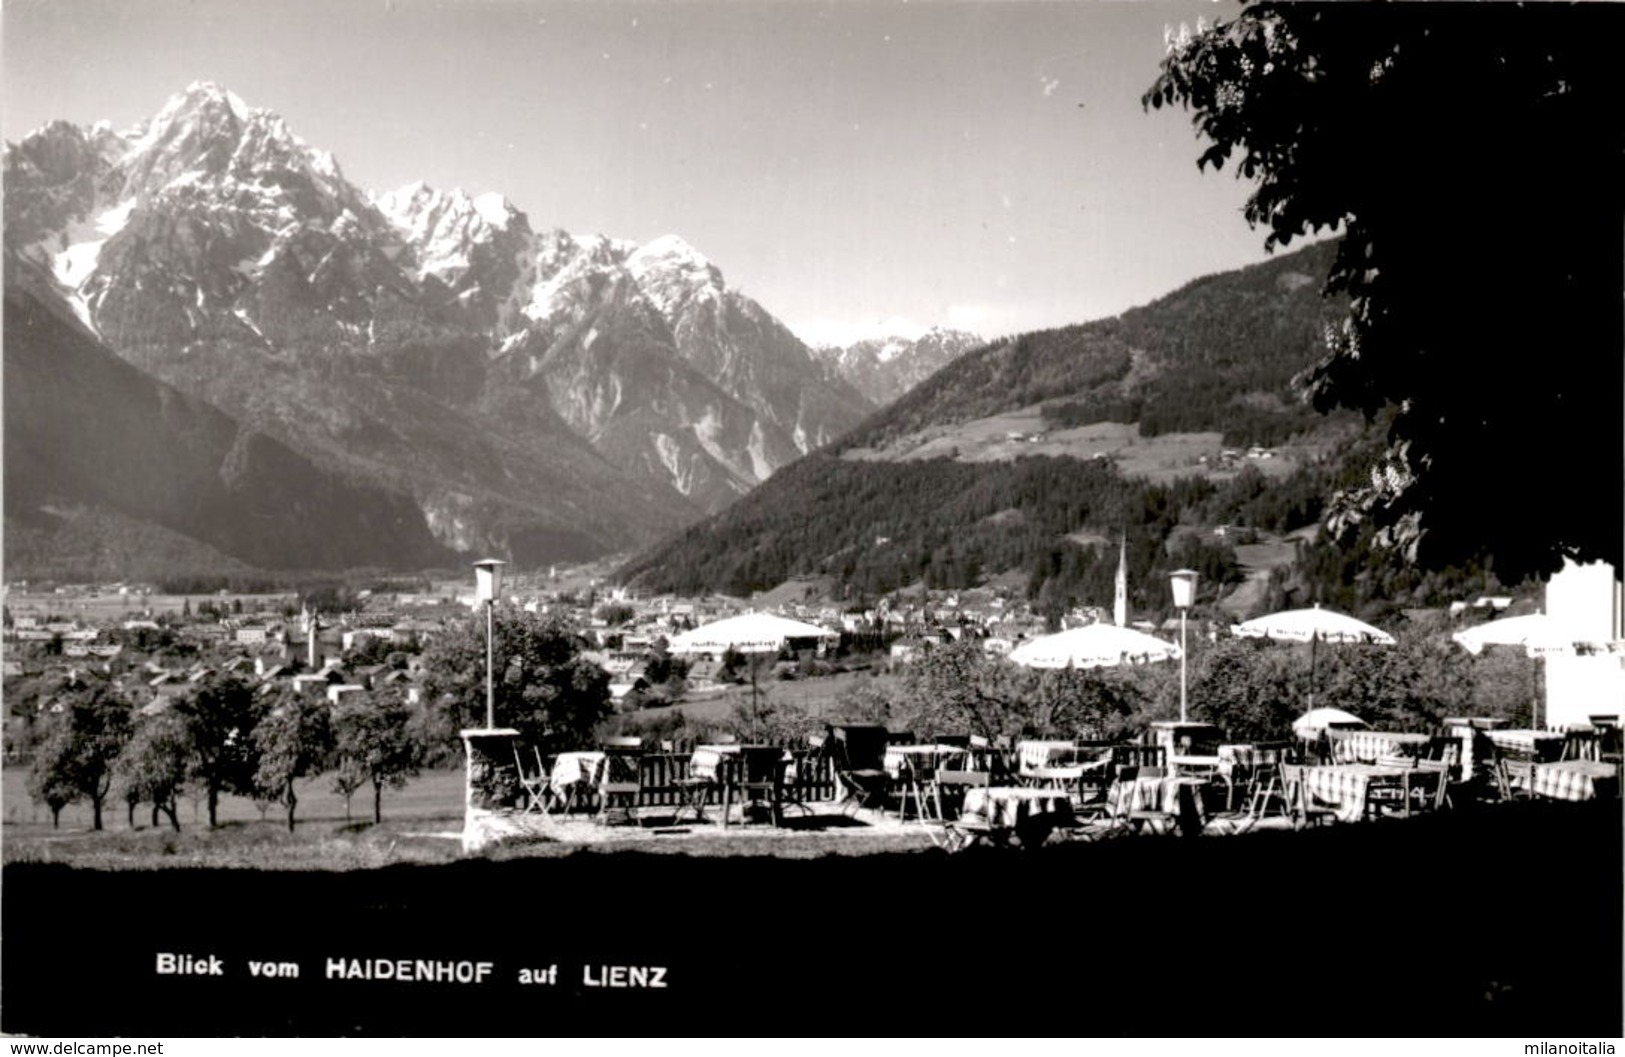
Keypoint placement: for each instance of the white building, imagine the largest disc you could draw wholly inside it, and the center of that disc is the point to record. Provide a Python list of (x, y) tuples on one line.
[(1588, 600)]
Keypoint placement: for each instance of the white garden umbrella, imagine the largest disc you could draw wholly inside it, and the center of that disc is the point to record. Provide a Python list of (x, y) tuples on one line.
[(1538, 634), (1313, 626), (1317, 721), (747, 633), (1093, 646), (752, 633)]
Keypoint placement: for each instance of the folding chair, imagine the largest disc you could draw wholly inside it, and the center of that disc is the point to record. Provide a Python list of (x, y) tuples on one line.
[(1383, 795), (1434, 790), (1514, 774), (621, 780), (761, 782), (536, 781), (1305, 812), (1159, 813), (694, 789), (953, 831), (858, 755)]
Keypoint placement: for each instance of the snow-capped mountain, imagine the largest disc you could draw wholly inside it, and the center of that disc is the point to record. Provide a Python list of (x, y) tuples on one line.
[(580, 393), (883, 369)]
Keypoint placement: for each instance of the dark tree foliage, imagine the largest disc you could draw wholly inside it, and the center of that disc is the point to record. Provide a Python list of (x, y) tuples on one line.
[(374, 742), (82, 743), (1472, 155), (153, 766), (293, 740), (220, 720), (544, 688)]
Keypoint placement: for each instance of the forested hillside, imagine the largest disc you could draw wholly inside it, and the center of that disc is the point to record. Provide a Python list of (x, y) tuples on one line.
[(1218, 354), (878, 526)]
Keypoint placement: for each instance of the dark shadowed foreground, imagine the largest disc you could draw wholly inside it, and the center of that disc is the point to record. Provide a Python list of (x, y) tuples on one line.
[(1497, 922)]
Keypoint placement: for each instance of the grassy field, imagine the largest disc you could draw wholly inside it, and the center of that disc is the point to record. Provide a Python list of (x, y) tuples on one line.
[(817, 697), (422, 824)]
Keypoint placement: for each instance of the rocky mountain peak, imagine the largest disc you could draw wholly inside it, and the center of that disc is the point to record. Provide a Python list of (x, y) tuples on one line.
[(674, 274)]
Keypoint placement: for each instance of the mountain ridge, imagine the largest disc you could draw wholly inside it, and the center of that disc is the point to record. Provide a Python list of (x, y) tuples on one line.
[(517, 384)]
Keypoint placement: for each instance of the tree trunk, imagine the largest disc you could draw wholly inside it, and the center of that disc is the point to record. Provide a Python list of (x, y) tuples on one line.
[(155, 813), (96, 812), (174, 819), (377, 802), (293, 802), (56, 816), (129, 818), (214, 804)]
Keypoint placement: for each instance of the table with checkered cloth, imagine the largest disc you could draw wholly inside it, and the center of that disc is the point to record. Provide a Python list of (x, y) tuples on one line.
[(1364, 746), (1160, 793), (1031, 755), (929, 757), (1009, 807), (572, 768), (1343, 786), (1545, 745), (1571, 779)]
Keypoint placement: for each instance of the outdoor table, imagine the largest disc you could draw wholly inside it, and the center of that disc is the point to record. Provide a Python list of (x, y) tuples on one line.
[(915, 765), (1065, 776), (575, 771), (1207, 768), (1573, 780), (1030, 813), (1544, 745), (1345, 786), (1031, 755), (918, 756), (1365, 746), (1158, 793), (1474, 722)]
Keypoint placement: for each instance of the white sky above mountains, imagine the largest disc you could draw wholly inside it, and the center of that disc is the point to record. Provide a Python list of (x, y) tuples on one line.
[(858, 168)]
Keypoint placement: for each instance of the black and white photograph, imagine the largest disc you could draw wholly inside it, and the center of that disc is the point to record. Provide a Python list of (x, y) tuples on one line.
[(783, 517)]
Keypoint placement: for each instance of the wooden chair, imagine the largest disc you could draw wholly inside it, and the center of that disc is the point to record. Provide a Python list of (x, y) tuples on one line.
[(694, 789), (1264, 771), (1384, 795), (761, 782), (916, 781), (955, 831), (535, 780), (858, 756), (1268, 789), (1433, 792), (621, 780), (1135, 755), (1514, 773), (1305, 812)]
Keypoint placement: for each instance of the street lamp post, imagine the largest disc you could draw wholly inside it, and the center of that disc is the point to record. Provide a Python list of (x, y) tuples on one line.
[(1184, 585), (487, 573)]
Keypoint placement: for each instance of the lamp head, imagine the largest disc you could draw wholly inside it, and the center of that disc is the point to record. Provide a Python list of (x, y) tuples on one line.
[(1183, 582), (487, 575)]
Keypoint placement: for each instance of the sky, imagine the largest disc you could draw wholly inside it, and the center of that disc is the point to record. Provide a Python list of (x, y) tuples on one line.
[(854, 166)]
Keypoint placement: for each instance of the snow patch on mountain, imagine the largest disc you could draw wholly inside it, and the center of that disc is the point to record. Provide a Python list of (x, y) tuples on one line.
[(673, 274)]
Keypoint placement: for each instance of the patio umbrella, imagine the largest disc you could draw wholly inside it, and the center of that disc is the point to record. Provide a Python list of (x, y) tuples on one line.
[(746, 633), (1093, 646), (752, 633), (1313, 626), (1541, 636), (1317, 720)]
